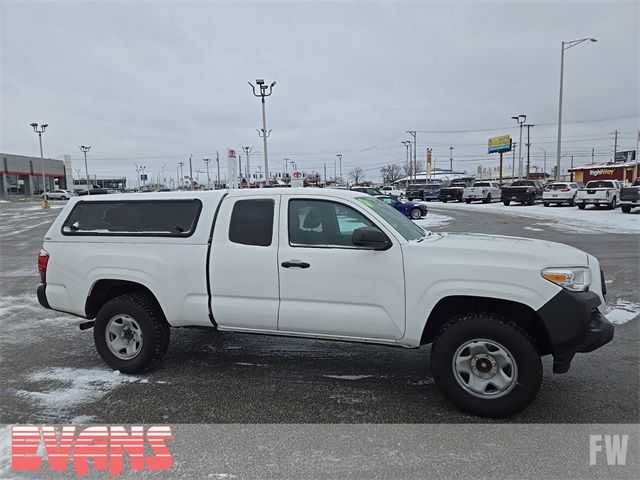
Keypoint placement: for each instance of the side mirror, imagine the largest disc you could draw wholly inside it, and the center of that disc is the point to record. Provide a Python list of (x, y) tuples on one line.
[(371, 238)]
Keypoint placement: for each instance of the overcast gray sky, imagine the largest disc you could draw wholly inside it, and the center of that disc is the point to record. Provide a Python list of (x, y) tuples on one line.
[(152, 82)]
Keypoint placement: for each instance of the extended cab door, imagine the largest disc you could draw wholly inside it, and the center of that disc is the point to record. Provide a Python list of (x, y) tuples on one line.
[(243, 267), (327, 285)]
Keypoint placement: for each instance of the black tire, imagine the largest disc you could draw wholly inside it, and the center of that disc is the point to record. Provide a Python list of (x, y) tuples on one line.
[(493, 328), (487, 200), (531, 200), (415, 214), (625, 208), (155, 332), (572, 202), (467, 200), (444, 200), (410, 199), (506, 202), (613, 204), (546, 204)]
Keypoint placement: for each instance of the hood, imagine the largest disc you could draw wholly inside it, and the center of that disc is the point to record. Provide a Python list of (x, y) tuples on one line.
[(496, 250)]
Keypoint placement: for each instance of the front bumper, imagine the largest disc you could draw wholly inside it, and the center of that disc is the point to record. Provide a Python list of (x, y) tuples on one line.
[(575, 325)]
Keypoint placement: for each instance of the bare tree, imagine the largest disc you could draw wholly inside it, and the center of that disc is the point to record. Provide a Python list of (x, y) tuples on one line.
[(407, 169), (312, 178), (356, 174), (390, 173)]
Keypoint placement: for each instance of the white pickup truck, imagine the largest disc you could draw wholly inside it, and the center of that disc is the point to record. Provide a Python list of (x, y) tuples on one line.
[(599, 192), (305, 263), (485, 191)]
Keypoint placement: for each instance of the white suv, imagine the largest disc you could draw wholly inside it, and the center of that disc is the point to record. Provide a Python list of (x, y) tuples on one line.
[(560, 192), (57, 195)]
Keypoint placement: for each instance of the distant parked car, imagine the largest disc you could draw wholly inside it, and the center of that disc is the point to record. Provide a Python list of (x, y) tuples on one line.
[(368, 190), (428, 192), (523, 191), (391, 190), (452, 192), (415, 211), (57, 195), (560, 192), (94, 191)]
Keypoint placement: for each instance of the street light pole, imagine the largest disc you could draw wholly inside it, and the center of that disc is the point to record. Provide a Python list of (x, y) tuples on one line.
[(206, 161), (414, 134), (565, 46), (529, 148), (181, 174), (339, 155), (86, 168), (265, 133), (451, 159), (513, 162), (40, 129), (520, 119), (246, 151), (544, 167)]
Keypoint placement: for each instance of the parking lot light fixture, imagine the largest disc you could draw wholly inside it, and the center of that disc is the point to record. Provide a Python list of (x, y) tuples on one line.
[(263, 92), (86, 168), (520, 119), (565, 46), (40, 129)]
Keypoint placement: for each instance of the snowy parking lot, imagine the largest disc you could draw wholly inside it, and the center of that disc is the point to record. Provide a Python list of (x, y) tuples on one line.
[(52, 373)]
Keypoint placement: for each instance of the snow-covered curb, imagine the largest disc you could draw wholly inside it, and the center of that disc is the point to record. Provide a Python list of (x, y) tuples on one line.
[(569, 219)]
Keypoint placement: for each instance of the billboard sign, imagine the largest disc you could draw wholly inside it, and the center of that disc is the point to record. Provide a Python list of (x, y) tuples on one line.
[(625, 156), (500, 143), (297, 179)]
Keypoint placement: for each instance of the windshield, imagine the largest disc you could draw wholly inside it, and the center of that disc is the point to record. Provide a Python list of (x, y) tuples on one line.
[(404, 226)]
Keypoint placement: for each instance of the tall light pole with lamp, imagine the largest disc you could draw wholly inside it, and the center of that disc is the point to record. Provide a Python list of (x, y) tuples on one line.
[(565, 46), (339, 155), (40, 129), (206, 161), (451, 159), (544, 164), (246, 151), (520, 119), (265, 91), (85, 150)]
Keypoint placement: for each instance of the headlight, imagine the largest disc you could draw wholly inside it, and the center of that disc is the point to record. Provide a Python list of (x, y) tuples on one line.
[(576, 279)]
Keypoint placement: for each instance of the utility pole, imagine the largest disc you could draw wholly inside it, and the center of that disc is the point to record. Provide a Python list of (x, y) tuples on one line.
[(86, 169), (544, 168), (218, 164), (413, 133), (190, 173), (615, 145), (339, 155), (520, 119), (181, 173), (265, 133), (513, 162), (451, 161), (177, 177), (325, 174), (239, 171), (593, 154), (529, 148), (206, 161)]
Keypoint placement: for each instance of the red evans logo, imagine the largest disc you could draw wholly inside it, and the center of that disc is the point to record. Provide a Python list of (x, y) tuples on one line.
[(105, 446)]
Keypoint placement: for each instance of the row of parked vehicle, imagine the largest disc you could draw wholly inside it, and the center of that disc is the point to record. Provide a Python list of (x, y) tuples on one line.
[(600, 193)]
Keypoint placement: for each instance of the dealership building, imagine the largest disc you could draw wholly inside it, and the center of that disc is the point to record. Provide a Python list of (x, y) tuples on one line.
[(21, 175), (624, 169)]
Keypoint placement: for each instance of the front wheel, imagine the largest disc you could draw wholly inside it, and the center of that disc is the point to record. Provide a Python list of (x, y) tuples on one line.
[(467, 201), (416, 214), (486, 365), (506, 202), (131, 333), (546, 204), (581, 206), (444, 200), (625, 208), (487, 200)]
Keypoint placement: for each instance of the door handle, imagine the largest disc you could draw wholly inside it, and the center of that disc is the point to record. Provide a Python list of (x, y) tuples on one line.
[(295, 263)]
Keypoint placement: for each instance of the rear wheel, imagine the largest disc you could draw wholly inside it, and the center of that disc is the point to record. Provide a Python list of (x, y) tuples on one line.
[(581, 206), (487, 200), (416, 214), (613, 204), (546, 204), (444, 200), (131, 333), (625, 208), (572, 202), (467, 201), (486, 365), (506, 202), (531, 200)]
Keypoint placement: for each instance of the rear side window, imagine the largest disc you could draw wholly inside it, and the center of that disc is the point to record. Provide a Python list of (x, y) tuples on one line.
[(155, 218), (252, 222)]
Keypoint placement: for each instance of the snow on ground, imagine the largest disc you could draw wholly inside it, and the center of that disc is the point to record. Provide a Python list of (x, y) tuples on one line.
[(568, 219), (622, 312), (433, 220), (67, 388)]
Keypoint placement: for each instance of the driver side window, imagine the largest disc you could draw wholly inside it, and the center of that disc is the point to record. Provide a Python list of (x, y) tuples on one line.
[(322, 223)]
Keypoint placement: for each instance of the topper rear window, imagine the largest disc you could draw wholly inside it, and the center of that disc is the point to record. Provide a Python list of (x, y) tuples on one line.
[(154, 218)]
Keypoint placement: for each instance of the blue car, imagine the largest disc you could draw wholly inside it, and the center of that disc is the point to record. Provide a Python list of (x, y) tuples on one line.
[(415, 211)]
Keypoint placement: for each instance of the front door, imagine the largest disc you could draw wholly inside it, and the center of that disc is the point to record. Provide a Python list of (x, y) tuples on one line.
[(327, 285)]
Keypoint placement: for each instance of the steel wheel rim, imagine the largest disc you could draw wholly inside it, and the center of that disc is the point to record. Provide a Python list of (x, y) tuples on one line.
[(123, 336), (416, 214), (485, 368)]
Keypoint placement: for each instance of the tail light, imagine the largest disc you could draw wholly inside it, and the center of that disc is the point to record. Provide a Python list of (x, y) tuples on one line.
[(608, 193), (565, 190), (43, 260)]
